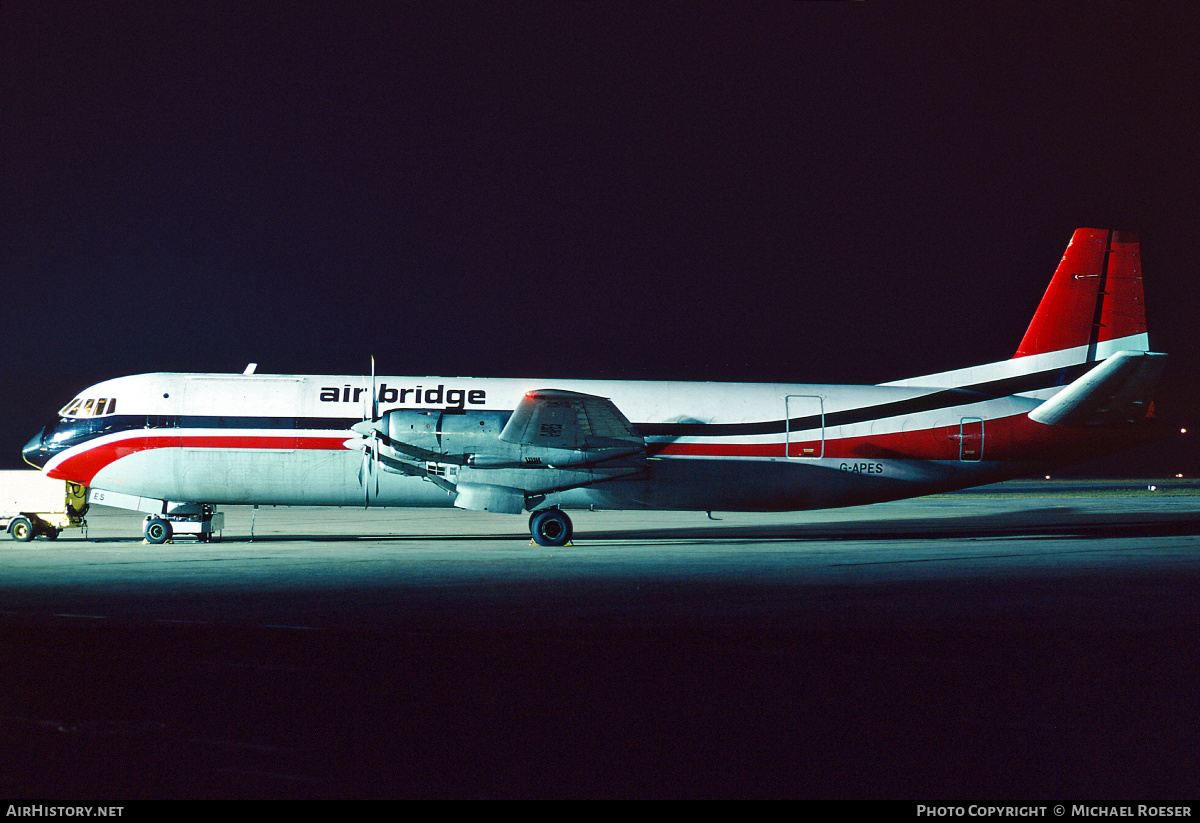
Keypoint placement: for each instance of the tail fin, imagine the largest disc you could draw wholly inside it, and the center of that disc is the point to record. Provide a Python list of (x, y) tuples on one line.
[(1093, 309), (1095, 303)]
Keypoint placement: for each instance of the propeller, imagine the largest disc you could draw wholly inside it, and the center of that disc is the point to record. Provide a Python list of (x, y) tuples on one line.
[(374, 461), (369, 443)]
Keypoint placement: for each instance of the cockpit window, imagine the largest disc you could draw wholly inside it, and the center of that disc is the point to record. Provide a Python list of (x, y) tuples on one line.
[(90, 407)]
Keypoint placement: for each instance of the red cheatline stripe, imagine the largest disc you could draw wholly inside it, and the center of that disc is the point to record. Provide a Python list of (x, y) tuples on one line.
[(1008, 438), (82, 467)]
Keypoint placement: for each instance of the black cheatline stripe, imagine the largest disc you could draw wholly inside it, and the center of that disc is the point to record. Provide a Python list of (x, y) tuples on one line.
[(191, 421), (67, 432), (89, 428), (946, 398)]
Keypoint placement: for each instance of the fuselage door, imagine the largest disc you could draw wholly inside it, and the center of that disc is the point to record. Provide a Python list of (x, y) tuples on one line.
[(970, 439), (805, 426)]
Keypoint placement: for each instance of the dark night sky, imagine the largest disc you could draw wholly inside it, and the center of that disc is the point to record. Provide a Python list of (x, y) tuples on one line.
[(737, 191)]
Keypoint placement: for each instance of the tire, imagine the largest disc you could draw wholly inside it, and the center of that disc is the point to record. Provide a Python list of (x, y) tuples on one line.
[(551, 527), (52, 533), (21, 529), (157, 530)]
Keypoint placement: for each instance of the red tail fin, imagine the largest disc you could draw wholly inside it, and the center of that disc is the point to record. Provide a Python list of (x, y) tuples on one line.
[(1095, 296), (1124, 311)]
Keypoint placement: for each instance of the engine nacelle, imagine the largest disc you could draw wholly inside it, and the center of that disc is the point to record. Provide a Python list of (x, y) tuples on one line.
[(472, 438), (451, 432)]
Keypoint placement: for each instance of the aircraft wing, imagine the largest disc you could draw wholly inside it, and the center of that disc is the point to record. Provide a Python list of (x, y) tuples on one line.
[(570, 420), (1113, 392)]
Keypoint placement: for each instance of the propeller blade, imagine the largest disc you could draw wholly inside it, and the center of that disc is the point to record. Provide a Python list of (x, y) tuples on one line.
[(363, 471), (374, 393), (375, 466), (369, 443)]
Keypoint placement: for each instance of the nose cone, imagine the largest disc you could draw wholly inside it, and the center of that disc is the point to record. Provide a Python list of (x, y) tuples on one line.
[(35, 452)]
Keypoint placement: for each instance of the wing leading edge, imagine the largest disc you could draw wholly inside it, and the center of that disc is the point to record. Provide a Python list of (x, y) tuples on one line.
[(570, 420)]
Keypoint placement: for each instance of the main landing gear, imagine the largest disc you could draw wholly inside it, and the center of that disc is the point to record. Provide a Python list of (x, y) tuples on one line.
[(550, 527)]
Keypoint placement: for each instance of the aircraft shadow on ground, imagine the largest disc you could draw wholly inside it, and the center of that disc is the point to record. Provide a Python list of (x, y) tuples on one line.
[(1042, 523), (1039, 523)]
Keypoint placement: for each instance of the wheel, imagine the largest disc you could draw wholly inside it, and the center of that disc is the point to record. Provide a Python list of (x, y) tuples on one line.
[(52, 533), (550, 527), (535, 515), (157, 530), (21, 529)]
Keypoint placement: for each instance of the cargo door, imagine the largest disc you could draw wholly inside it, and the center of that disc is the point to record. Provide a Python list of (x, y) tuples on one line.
[(970, 439), (805, 426)]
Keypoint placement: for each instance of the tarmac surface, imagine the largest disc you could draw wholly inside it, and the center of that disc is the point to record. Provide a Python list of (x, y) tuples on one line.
[(1021, 644)]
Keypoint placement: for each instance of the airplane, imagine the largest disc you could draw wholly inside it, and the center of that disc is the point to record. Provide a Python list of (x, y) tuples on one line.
[(177, 445)]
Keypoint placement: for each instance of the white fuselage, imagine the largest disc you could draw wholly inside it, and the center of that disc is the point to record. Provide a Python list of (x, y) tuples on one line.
[(510, 445), (282, 439)]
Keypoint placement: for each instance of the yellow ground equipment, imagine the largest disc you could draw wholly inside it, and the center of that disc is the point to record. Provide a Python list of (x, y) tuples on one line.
[(33, 505)]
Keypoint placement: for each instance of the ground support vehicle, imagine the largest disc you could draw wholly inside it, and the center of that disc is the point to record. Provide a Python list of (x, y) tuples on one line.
[(34, 505)]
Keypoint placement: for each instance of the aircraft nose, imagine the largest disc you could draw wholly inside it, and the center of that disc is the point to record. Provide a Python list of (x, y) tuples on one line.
[(34, 452)]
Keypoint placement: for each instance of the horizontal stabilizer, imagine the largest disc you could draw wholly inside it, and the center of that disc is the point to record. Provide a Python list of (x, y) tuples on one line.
[(570, 420), (1114, 392)]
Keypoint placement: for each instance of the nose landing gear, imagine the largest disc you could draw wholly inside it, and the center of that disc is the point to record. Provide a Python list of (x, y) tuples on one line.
[(201, 521), (157, 530)]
